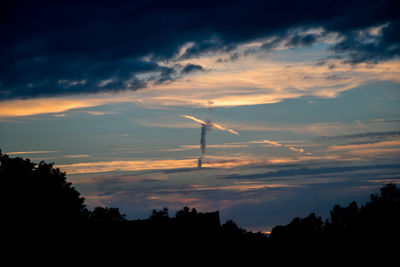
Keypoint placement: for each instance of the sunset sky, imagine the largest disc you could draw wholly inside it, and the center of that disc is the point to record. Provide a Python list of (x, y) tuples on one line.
[(296, 103)]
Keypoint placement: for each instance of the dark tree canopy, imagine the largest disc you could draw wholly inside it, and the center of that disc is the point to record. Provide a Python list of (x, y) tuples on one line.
[(38, 193), (159, 215), (375, 222), (104, 215), (34, 195)]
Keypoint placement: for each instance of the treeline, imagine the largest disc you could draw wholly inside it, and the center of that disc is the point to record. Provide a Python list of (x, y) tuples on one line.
[(379, 218), (37, 198)]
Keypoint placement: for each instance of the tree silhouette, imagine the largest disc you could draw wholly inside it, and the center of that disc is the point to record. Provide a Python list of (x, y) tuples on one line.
[(342, 219), (159, 215), (39, 193), (380, 217), (231, 231), (104, 215), (38, 198), (299, 230), (185, 212), (372, 226)]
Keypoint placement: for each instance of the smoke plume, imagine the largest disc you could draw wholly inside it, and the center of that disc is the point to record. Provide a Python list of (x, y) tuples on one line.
[(199, 162), (206, 126), (203, 138)]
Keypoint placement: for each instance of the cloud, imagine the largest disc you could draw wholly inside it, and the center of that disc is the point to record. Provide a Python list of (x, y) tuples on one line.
[(139, 165), (394, 143), (253, 81), (189, 68), (75, 156), (370, 135), (276, 144), (31, 152), (296, 37), (35, 106), (273, 143), (372, 44), (368, 150), (311, 171), (156, 165), (113, 46)]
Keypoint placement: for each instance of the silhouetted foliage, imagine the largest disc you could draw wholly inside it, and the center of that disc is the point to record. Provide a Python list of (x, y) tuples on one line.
[(104, 215), (39, 195), (160, 215), (186, 212), (299, 229), (376, 222), (230, 231), (342, 219)]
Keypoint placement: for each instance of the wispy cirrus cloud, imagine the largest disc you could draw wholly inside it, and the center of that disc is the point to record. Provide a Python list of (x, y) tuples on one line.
[(75, 156), (31, 152), (255, 81), (393, 143), (250, 80), (368, 150)]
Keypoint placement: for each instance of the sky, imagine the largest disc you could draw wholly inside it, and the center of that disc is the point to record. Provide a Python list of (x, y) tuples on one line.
[(263, 110)]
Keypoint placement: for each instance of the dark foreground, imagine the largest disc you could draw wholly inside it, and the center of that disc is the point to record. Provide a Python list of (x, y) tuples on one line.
[(42, 210)]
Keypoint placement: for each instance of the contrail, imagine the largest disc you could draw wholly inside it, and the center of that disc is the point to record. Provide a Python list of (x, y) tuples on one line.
[(194, 119), (276, 144), (211, 124), (222, 128)]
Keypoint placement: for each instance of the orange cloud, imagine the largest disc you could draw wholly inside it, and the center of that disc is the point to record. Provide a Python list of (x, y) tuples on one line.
[(221, 162), (365, 146), (375, 153), (31, 152), (139, 165), (250, 80), (29, 107)]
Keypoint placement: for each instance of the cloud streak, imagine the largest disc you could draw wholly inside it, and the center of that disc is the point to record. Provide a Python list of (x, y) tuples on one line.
[(31, 152), (276, 144), (210, 124), (151, 164), (310, 171)]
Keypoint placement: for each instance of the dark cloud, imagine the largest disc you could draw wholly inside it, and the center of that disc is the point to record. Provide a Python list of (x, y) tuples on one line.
[(166, 74), (370, 135), (335, 77), (311, 171), (89, 42), (320, 63), (303, 40), (291, 40), (364, 46), (235, 56), (189, 68), (271, 44)]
